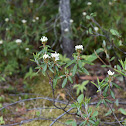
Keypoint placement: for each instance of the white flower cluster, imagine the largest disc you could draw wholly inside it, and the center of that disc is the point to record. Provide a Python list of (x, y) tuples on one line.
[(110, 3), (34, 20), (24, 21), (45, 56), (66, 29), (110, 73), (96, 29), (1, 41), (6, 19), (71, 21), (37, 18), (27, 49), (55, 55), (7, 29), (18, 41), (31, 1), (43, 39), (79, 47), (84, 13), (89, 3)]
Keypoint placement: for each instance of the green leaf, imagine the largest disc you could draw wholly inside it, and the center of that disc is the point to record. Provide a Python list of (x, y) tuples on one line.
[(123, 111), (109, 112), (73, 105), (38, 113), (43, 72), (45, 67), (112, 94), (94, 84), (117, 102), (64, 82), (120, 72), (80, 98), (117, 86), (106, 88), (69, 122), (80, 64), (74, 123), (56, 68), (104, 102), (98, 103), (88, 17), (118, 67), (70, 79), (70, 62), (108, 100), (74, 70), (54, 83), (91, 121), (112, 58), (114, 32), (85, 71), (95, 114), (90, 30), (51, 69), (83, 123)]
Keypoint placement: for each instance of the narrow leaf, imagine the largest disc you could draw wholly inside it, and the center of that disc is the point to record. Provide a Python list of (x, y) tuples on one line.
[(64, 82), (74, 70)]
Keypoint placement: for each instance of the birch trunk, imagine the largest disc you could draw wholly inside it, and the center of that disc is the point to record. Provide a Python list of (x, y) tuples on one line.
[(65, 16)]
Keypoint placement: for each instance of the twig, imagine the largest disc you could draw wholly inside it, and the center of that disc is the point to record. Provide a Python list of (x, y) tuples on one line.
[(46, 98), (114, 115), (60, 116), (99, 58), (29, 120)]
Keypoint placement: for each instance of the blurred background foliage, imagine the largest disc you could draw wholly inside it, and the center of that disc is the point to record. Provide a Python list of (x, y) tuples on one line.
[(28, 20)]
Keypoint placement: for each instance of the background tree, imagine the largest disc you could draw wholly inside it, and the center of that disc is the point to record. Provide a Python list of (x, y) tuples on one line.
[(65, 16)]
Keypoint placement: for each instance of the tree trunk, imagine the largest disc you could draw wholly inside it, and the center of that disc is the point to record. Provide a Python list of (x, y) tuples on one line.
[(65, 16)]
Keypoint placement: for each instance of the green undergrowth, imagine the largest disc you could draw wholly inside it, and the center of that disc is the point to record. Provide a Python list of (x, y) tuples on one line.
[(43, 89)]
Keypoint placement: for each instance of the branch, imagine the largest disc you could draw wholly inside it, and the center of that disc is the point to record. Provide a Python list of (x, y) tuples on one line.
[(60, 116), (29, 120)]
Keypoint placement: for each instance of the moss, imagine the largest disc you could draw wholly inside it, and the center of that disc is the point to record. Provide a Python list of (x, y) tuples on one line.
[(43, 88), (47, 114)]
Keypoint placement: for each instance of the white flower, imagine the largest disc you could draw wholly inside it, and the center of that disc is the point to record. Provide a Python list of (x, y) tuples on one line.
[(110, 73), (71, 20), (7, 29), (24, 21), (27, 49), (55, 55), (96, 29), (104, 43), (120, 43), (37, 18), (66, 29), (33, 20), (45, 56), (43, 39), (1, 41), (84, 13), (80, 47), (6, 19), (18, 41), (110, 3), (31, 1), (89, 3)]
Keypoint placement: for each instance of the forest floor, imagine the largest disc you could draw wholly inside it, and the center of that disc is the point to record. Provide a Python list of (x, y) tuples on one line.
[(29, 103)]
